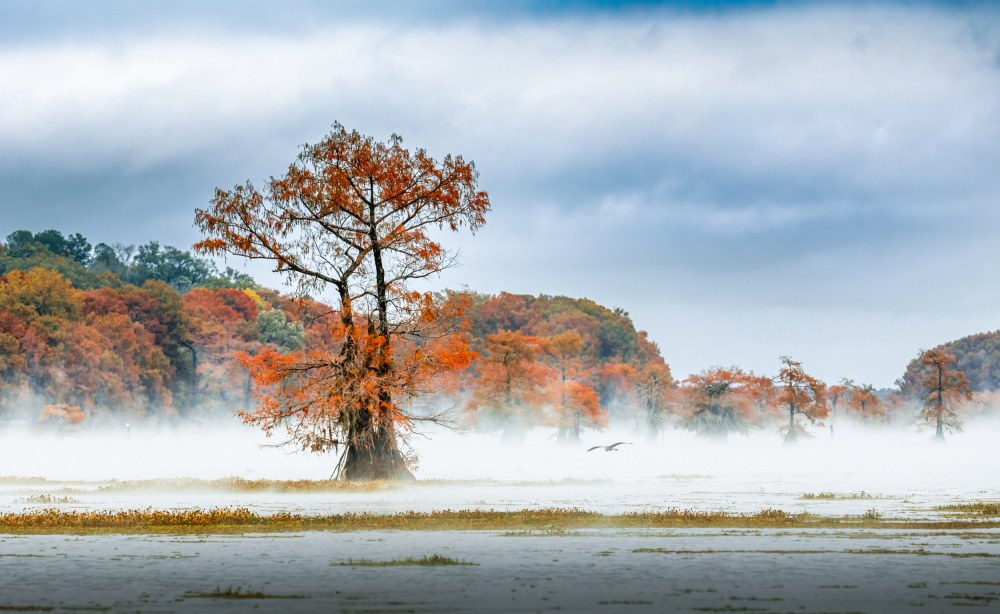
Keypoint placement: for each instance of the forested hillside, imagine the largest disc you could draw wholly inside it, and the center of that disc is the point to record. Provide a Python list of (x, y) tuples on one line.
[(561, 362), (113, 332), (608, 335), (977, 356), (155, 331)]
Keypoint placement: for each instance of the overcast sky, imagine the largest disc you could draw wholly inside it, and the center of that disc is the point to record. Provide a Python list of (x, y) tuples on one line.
[(747, 179)]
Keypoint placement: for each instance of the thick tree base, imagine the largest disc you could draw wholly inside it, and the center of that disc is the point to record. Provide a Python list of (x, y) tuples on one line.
[(380, 460), (568, 437), (512, 434)]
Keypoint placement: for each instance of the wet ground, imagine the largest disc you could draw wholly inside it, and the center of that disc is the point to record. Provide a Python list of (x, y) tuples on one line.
[(584, 571), (703, 493)]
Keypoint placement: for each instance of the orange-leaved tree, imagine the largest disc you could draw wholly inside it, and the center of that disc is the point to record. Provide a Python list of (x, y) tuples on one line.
[(801, 395), (719, 402), (656, 386), (863, 399), (946, 390), (510, 387), (355, 215), (574, 403), (617, 388), (834, 395)]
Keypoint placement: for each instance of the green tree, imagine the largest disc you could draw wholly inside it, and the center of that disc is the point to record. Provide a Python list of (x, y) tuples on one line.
[(179, 269), (230, 279), (274, 327)]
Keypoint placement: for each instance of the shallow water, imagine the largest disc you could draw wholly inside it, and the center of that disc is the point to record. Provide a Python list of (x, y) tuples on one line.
[(584, 571)]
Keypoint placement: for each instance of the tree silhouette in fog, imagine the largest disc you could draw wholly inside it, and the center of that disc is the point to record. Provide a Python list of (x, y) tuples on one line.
[(946, 391), (802, 396)]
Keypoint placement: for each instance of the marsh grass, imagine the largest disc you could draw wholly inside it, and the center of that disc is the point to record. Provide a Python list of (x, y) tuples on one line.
[(238, 593), (684, 477), (832, 496), (242, 485), (872, 514), (243, 521), (22, 480), (978, 508), (876, 551), (434, 560), (47, 499), (542, 532)]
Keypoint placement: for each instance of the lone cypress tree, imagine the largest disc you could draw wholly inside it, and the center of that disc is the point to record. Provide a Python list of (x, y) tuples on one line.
[(946, 390)]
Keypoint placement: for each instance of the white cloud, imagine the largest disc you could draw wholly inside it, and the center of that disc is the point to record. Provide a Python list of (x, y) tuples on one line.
[(690, 153), (747, 94)]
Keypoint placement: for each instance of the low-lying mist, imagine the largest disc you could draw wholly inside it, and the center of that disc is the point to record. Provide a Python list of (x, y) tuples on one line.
[(854, 457)]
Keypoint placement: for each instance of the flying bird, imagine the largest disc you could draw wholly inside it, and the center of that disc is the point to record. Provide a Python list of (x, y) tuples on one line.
[(612, 447)]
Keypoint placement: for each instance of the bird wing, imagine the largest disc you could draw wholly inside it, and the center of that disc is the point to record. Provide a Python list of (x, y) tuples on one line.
[(594, 448), (612, 446)]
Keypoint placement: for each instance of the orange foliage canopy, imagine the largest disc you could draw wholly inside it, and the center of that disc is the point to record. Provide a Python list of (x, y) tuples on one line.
[(68, 414), (801, 395), (721, 401), (511, 382), (524, 380), (946, 391), (572, 403), (78, 348), (861, 399)]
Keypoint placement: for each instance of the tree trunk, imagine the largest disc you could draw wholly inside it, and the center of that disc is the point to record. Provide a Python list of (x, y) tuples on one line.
[(939, 432), (247, 392), (513, 431), (193, 396), (652, 415), (574, 433), (374, 455), (792, 435)]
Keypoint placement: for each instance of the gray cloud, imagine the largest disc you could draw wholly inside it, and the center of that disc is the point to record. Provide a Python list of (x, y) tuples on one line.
[(747, 183)]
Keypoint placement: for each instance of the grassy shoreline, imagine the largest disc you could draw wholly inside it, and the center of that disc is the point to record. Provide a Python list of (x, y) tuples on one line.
[(241, 521), (236, 484)]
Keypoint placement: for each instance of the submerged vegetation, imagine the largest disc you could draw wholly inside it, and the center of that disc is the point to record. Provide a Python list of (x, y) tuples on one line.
[(435, 560), (830, 496), (45, 498), (238, 593)]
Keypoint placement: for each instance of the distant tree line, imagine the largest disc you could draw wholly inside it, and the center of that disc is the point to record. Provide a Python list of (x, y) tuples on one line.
[(103, 265), (123, 331), (153, 330), (127, 351)]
